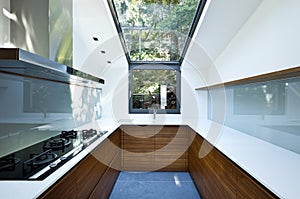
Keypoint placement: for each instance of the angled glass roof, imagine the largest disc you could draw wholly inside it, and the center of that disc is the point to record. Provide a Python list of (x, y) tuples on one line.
[(156, 30)]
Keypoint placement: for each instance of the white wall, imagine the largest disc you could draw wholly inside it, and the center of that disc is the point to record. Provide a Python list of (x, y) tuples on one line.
[(91, 18), (115, 91), (221, 22), (234, 62), (269, 41), (5, 23), (191, 110), (30, 29)]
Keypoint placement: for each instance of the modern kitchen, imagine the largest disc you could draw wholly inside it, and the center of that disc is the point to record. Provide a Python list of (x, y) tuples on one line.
[(149, 99)]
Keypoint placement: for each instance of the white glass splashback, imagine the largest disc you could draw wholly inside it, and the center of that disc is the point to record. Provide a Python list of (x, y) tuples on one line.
[(267, 110), (33, 110)]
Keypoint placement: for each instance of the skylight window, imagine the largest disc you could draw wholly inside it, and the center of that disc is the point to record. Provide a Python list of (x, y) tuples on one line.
[(156, 30), (155, 35)]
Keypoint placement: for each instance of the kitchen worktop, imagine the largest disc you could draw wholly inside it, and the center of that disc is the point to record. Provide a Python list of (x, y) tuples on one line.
[(32, 189), (277, 168), (273, 166)]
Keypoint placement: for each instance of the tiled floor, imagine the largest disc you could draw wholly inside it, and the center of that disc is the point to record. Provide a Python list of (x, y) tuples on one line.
[(148, 185)]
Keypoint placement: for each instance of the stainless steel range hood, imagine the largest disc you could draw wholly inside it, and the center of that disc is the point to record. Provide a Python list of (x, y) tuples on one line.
[(19, 62)]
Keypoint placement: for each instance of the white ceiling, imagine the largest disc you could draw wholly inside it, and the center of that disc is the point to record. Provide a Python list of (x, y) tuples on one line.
[(93, 19), (223, 20)]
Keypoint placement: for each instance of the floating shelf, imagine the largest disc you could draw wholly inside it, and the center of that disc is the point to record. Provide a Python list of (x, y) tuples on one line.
[(282, 74)]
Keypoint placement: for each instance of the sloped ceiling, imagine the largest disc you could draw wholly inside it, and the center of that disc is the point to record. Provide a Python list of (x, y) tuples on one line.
[(92, 18), (223, 20)]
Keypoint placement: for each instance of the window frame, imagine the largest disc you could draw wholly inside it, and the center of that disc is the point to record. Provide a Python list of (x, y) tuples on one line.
[(175, 65), (154, 66), (198, 13)]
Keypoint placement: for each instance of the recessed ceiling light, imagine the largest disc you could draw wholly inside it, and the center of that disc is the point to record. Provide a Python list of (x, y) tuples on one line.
[(95, 39), (103, 51)]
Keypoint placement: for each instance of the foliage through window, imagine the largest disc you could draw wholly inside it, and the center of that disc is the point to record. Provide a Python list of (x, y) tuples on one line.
[(155, 87), (155, 30)]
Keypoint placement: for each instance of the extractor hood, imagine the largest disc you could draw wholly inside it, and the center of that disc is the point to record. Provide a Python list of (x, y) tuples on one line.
[(16, 61)]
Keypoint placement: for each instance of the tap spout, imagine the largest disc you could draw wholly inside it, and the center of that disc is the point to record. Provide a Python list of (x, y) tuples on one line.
[(154, 109)]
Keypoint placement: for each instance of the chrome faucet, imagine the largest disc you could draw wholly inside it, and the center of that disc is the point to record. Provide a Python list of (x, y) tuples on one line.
[(154, 113), (154, 108), (44, 111)]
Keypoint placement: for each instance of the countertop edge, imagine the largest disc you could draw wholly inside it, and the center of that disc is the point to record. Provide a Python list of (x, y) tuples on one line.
[(271, 165), (33, 189), (274, 158)]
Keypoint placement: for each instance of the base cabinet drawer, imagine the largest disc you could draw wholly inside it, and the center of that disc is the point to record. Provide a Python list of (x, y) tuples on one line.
[(105, 185), (154, 148), (89, 172), (91, 177), (247, 188), (65, 188), (216, 176)]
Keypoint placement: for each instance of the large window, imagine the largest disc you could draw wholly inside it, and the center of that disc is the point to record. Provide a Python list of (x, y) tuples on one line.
[(154, 88), (155, 35), (156, 30)]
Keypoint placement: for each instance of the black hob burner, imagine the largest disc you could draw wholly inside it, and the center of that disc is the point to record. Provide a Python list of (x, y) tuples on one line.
[(69, 134), (57, 143), (9, 163), (86, 134), (38, 161)]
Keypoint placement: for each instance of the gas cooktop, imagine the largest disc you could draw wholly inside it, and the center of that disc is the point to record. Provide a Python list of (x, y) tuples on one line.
[(40, 160)]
